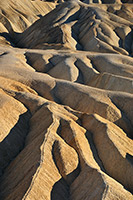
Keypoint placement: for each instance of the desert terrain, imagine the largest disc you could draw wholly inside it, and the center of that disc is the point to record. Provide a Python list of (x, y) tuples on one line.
[(66, 100)]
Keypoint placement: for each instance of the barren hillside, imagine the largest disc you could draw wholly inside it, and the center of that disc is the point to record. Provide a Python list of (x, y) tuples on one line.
[(66, 100)]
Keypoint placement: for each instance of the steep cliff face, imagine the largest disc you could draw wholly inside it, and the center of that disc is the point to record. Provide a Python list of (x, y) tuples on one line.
[(66, 100)]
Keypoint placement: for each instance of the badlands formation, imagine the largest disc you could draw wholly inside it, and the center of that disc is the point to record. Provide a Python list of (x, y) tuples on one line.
[(66, 100)]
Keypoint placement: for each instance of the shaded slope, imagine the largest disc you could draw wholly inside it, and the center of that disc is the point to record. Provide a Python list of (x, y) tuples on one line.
[(80, 26), (17, 16)]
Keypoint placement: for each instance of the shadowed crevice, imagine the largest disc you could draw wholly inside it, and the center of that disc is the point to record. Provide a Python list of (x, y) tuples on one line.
[(89, 137), (129, 158), (36, 61), (27, 168), (80, 78), (14, 142), (124, 122), (8, 38), (61, 189)]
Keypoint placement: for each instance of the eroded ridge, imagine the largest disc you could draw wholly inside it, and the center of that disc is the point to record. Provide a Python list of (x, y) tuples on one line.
[(66, 100)]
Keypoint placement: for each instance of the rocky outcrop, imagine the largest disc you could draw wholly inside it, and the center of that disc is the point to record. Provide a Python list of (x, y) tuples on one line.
[(66, 93)]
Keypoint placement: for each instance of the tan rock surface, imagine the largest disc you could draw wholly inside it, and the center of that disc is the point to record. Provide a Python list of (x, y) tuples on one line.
[(66, 100)]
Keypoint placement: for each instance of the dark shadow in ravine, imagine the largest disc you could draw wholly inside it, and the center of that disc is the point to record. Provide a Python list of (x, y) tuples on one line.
[(125, 124), (128, 42), (32, 60), (129, 158), (89, 137), (14, 142), (17, 180), (8, 38), (61, 189)]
